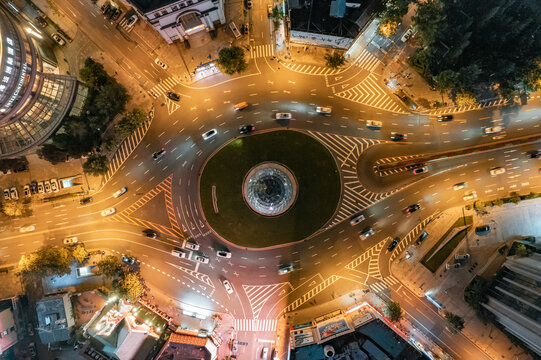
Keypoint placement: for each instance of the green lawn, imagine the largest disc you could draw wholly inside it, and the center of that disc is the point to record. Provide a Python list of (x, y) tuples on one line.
[(317, 196), (433, 261)]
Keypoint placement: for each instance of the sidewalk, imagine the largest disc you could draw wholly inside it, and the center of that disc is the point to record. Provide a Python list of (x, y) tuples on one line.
[(447, 286)]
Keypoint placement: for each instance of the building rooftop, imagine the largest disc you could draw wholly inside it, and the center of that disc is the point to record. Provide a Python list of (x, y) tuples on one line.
[(55, 318), (182, 346), (146, 6)]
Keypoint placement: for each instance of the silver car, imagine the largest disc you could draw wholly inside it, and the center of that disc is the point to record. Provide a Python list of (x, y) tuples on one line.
[(209, 134)]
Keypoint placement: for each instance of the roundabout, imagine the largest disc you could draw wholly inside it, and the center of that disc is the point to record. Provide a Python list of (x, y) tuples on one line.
[(269, 189)]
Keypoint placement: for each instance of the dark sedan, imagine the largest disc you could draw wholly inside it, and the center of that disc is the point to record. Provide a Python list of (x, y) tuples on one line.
[(245, 129), (412, 208), (393, 244)]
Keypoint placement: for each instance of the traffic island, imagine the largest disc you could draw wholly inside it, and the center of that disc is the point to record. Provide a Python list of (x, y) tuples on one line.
[(286, 169)]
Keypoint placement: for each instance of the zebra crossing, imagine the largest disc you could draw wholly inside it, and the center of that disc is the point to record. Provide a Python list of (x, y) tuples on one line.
[(347, 150), (366, 60), (259, 294), (457, 109), (384, 284), (126, 148), (310, 69), (369, 92), (370, 253), (412, 234), (316, 290), (260, 51), (164, 86), (256, 325)]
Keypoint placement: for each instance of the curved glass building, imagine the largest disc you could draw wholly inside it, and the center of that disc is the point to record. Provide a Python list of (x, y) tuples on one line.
[(32, 101)]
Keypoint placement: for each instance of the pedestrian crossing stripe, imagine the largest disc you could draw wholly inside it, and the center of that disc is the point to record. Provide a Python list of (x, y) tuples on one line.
[(259, 294), (125, 149), (383, 285), (310, 69), (164, 86), (366, 60), (307, 296), (480, 105), (261, 51), (412, 234), (164, 187), (369, 92), (256, 325), (373, 251)]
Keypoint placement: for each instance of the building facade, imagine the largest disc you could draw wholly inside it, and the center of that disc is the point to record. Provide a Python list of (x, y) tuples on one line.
[(180, 19), (33, 102)]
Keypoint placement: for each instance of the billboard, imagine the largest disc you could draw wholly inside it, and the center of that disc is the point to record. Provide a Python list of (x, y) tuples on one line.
[(332, 329)]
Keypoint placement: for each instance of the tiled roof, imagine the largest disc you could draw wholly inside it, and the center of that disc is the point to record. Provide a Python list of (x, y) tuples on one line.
[(187, 339)]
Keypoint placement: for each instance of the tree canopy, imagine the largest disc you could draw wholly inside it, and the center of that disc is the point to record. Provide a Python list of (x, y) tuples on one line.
[(131, 285), (478, 46), (455, 322), (47, 261), (109, 266), (131, 121), (390, 14), (96, 165), (393, 311), (334, 60), (231, 60)]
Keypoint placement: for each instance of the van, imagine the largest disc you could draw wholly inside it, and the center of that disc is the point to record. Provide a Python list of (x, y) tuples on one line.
[(234, 29), (462, 256), (178, 253), (241, 106)]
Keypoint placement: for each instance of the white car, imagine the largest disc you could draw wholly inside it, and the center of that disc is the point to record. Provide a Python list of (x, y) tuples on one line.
[(191, 246), (27, 228), (209, 134), (70, 240), (54, 185), (406, 35), (6, 194), (323, 110), (228, 287), (366, 233), (497, 171), (178, 253), (356, 219), (47, 186), (283, 116), (120, 192), (223, 254), (470, 195), (202, 259), (27, 192), (374, 124), (41, 189), (493, 129), (160, 63), (108, 212), (459, 186), (58, 39), (14, 193), (285, 269)]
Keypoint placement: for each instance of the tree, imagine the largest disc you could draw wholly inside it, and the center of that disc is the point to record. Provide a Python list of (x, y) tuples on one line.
[(52, 153), (96, 165), (497, 202), (334, 60), (464, 98), (93, 74), (13, 208), (390, 15), (522, 251), (131, 122), (47, 261), (80, 254), (456, 322), (393, 311), (231, 60), (131, 286), (479, 205), (446, 80), (109, 266)]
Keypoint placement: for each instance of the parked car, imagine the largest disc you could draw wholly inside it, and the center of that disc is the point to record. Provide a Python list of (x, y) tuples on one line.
[(178, 253), (202, 259), (54, 185), (420, 170), (245, 129), (6, 194), (47, 186), (240, 106), (483, 229), (160, 63), (421, 238), (366, 233), (249, 4), (497, 170), (116, 14), (398, 137), (406, 35), (120, 192), (357, 219), (493, 130), (323, 109), (109, 211), (158, 154), (173, 96), (283, 116), (412, 208), (445, 117), (269, 10), (41, 188), (460, 185), (58, 39), (393, 244), (27, 228), (26, 191), (284, 269), (245, 28), (374, 124), (41, 21), (223, 254), (462, 256), (191, 245), (452, 266), (227, 285), (14, 193), (71, 240), (128, 260), (209, 134), (470, 195)]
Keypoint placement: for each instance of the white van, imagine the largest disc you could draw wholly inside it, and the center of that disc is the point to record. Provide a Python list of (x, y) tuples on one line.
[(234, 29)]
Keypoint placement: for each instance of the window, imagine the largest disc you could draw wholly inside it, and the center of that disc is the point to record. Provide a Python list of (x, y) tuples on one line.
[(8, 70), (164, 12), (174, 8), (156, 14), (47, 320), (182, 5), (190, 2), (9, 41), (10, 51)]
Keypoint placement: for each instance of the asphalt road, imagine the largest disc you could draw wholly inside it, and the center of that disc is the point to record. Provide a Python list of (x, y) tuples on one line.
[(269, 87)]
